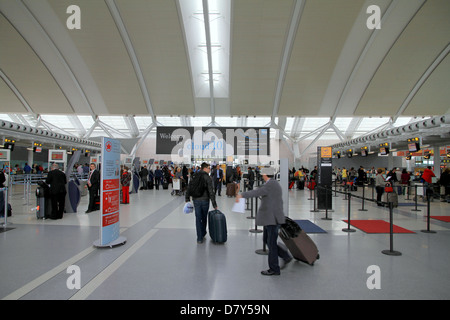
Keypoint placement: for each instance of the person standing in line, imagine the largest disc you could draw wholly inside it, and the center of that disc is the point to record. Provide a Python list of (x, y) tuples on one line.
[(427, 176), (444, 181), (144, 177), (201, 190), (125, 180), (57, 181), (405, 177), (158, 177), (379, 186), (26, 168), (93, 186), (271, 216)]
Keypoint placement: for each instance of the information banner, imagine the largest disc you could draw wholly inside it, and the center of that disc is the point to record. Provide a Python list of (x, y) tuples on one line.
[(109, 191)]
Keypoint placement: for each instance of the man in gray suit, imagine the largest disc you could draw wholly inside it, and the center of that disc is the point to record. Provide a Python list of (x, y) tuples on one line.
[(270, 215)]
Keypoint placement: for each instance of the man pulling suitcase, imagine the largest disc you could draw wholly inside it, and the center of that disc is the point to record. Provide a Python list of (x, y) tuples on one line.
[(271, 216), (201, 190)]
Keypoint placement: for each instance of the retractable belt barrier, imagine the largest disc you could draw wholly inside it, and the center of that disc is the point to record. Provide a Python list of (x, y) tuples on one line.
[(349, 196)]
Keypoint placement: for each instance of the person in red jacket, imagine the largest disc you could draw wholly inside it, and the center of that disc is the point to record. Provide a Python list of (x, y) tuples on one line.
[(428, 174), (125, 181)]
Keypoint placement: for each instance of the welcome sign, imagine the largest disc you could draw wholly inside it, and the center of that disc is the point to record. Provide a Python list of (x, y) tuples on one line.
[(213, 141)]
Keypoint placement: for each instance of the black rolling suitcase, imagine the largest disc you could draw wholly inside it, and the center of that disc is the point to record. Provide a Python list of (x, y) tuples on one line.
[(217, 224), (43, 202)]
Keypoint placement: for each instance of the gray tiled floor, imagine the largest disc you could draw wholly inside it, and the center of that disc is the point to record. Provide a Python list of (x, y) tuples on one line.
[(161, 259)]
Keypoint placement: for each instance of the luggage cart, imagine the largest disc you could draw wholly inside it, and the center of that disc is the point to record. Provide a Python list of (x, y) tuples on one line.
[(176, 187)]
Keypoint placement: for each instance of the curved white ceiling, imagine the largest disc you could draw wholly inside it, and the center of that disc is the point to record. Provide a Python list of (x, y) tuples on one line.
[(286, 58)]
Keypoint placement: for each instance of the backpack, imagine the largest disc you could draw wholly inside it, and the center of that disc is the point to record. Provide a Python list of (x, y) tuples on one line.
[(197, 185)]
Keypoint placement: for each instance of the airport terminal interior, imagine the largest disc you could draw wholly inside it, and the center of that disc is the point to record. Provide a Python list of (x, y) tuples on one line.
[(340, 88)]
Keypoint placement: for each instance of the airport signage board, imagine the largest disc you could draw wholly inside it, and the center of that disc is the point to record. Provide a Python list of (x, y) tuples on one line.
[(109, 191), (214, 142)]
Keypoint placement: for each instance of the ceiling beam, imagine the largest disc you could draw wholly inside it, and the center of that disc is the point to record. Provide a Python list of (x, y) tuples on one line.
[(442, 55), (16, 91), (53, 61), (131, 125), (360, 60), (295, 20), (77, 124), (323, 130), (132, 54)]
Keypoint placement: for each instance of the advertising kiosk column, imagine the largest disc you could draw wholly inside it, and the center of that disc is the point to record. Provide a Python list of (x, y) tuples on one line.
[(5, 157), (109, 195), (324, 177)]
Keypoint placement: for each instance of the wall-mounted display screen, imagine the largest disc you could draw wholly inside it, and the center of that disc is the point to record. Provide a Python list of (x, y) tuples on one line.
[(413, 147)]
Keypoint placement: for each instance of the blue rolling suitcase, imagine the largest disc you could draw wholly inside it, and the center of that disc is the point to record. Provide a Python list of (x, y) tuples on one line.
[(217, 224)]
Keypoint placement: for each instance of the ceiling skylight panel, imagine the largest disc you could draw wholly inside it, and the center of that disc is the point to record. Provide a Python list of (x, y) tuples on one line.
[(369, 124), (142, 122), (169, 121), (193, 18), (200, 121), (342, 123), (60, 121), (227, 121), (117, 122), (258, 121), (312, 124)]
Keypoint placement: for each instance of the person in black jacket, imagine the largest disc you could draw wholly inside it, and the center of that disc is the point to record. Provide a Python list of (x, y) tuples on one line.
[(93, 186), (217, 178), (445, 182), (202, 182), (57, 181)]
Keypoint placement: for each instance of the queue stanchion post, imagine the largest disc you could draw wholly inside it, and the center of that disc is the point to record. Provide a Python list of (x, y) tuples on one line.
[(363, 198), (348, 229), (428, 218), (264, 250), (256, 230), (391, 251), (415, 199), (251, 209)]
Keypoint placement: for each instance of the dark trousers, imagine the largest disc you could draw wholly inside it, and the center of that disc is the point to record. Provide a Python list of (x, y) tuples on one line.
[(270, 238), (217, 186), (380, 191), (93, 193), (201, 217), (58, 202)]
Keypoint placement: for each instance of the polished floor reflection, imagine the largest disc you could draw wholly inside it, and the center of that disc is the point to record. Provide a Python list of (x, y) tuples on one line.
[(162, 260)]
